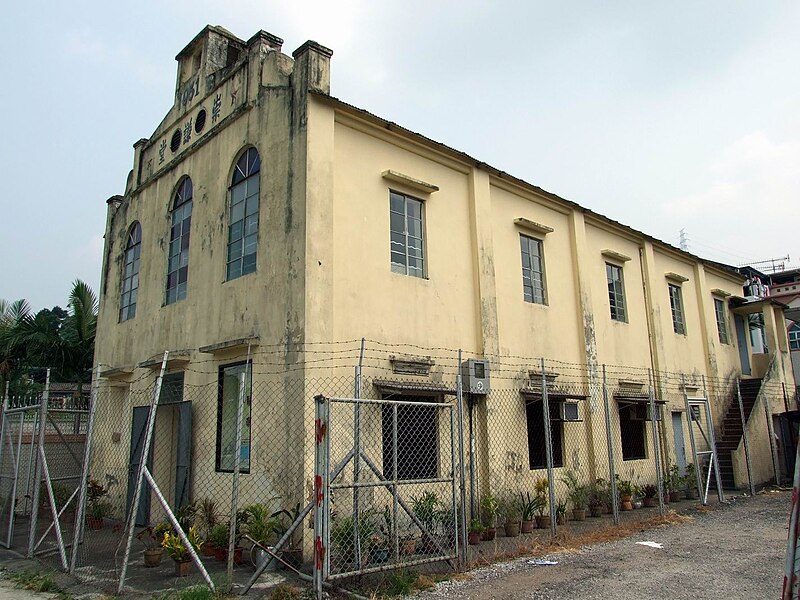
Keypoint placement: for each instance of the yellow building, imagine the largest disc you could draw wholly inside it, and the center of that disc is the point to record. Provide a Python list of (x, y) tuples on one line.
[(265, 218)]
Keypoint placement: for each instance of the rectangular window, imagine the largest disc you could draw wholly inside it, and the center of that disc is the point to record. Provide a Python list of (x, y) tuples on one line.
[(722, 322), (533, 282), (537, 457), (794, 337), (417, 439), (616, 292), (633, 434), (676, 305), (227, 406), (171, 388), (406, 219)]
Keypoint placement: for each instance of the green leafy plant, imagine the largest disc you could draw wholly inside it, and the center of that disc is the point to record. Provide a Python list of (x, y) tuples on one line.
[(206, 516), (530, 506), (220, 535), (475, 526), (99, 509), (625, 487), (173, 544), (95, 490), (509, 509), (186, 515), (577, 493), (649, 490), (674, 480), (541, 488), (561, 511), (426, 507), (491, 508), (343, 536), (260, 523)]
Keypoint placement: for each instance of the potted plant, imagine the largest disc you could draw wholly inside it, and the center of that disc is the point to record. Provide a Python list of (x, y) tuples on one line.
[(292, 553), (343, 540), (577, 493), (218, 540), (260, 526), (152, 537), (625, 491), (674, 483), (691, 481), (476, 530), (98, 508), (541, 488), (596, 502), (561, 513), (426, 508), (379, 541), (528, 507), (511, 515), (490, 507), (206, 519), (173, 544), (649, 491)]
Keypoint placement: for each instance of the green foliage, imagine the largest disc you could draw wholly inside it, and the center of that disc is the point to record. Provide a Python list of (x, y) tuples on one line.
[(260, 523), (530, 506), (152, 536), (475, 526), (577, 493), (286, 591), (491, 508), (206, 516), (173, 544), (400, 583), (427, 508), (37, 582), (99, 509), (220, 535), (199, 591)]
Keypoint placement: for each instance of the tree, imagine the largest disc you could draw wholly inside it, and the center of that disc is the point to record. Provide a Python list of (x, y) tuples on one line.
[(12, 350)]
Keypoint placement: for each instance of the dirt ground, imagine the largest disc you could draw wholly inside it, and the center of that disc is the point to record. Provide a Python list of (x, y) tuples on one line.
[(733, 552)]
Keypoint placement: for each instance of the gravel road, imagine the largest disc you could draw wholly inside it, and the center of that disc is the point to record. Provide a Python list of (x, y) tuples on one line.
[(732, 552)]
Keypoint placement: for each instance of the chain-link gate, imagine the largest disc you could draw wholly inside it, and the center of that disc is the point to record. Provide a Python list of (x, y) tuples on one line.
[(42, 445), (391, 498), (698, 417)]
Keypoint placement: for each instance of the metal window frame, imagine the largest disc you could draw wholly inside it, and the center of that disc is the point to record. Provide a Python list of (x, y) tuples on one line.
[(676, 307), (249, 176), (722, 321), (616, 297), (220, 392), (405, 234), (528, 240)]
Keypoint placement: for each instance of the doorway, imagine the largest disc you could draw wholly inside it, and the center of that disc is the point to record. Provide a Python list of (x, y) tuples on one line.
[(680, 446)]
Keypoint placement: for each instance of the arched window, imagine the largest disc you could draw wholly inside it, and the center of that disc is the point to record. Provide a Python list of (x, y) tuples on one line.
[(129, 290), (178, 262), (243, 215)]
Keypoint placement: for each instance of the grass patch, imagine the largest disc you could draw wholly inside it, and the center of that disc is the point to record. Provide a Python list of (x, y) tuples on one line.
[(289, 592), (37, 582)]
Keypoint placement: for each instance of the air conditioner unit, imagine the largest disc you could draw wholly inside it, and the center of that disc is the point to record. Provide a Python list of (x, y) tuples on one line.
[(569, 411), (475, 376)]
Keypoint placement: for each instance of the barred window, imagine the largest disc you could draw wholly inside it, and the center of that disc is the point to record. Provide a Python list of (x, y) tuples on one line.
[(227, 409), (722, 322), (616, 292), (676, 305), (417, 439), (533, 282), (243, 215), (178, 259), (537, 454), (129, 290), (406, 220)]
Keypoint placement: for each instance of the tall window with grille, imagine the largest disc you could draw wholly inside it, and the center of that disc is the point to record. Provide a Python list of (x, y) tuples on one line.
[(178, 258), (676, 306), (722, 322), (406, 216), (243, 215), (616, 292), (533, 281), (129, 289)]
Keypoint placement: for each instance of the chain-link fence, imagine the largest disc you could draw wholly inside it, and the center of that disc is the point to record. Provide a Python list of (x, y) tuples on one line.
[(427, 451)]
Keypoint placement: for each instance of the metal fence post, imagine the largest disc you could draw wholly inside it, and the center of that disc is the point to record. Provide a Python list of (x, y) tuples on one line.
[(357, 457), (321, 409), (237, 467), (690, 425), (656, 441), (612, 475), (713, 442), (548, 443), (772, 446), (462, 479), (77, 536), (37, 477), (790, 573), (750, 483), (148, 438)]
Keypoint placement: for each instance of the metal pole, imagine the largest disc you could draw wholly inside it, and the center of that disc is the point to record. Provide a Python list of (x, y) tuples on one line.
[(320, 491), (689, 419), (357, 457), (772, 446), (453, 499), (3, 424), (713, 444), (612, 475), (37, 471), (53, 509), (473, 487), (18, 456), (31, 456), (77, 536), (785, 397), (548, 444), (237, 465), (656, 445), (750, 482), (790, 574), (140, 474), (181, 533), (462, 480), (394, 487)]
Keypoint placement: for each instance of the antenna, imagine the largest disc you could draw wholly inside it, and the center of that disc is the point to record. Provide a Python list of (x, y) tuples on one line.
[(684, 241), (771, 265)]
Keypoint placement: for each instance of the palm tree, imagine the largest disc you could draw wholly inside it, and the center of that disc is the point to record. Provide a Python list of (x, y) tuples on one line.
[(12, 350), (78, 333)]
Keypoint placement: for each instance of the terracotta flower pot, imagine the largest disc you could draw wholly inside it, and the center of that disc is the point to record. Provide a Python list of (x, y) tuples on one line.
[(527, 526), (627, 502), (578, 514), (596, 511), (511, 529), (182, 568), (94, 522), (543, 521), (209, 549), (474, 538), (674, 496), (152, 557), (650, 502), (489, 534)]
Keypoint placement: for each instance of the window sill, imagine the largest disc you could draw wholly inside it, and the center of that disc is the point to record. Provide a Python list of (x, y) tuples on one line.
[(224, 281)]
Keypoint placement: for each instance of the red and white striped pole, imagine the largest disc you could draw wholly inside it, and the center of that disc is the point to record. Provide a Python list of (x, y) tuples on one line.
[(321, 413), (791, 582)]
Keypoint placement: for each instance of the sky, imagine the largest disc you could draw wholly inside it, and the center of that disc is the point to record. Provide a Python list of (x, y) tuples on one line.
[(664, 116)]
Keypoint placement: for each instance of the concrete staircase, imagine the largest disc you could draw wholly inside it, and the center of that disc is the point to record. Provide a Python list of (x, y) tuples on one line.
[(731, 429)]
